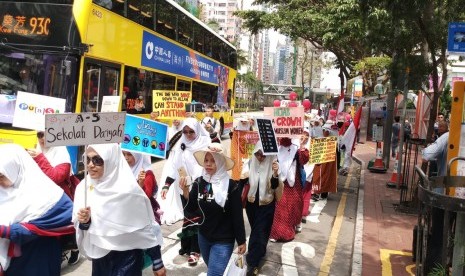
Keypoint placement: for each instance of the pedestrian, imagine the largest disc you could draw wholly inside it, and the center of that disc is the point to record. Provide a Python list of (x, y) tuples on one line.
[(32, 209), (212, 125), (55, 162), (218, 198), (142, 172), (307, 190), (288, 213), (182, 163), (395, 136), (265, 190), (175, 128), (117, 223)]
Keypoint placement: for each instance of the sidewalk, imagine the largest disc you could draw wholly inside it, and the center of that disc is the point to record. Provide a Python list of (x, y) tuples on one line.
[(384, 242)]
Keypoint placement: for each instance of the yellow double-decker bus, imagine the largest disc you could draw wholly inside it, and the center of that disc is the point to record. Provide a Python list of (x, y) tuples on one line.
[(83, 50)]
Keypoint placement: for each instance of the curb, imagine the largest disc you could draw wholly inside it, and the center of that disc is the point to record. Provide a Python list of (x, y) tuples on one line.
[(358, 239)]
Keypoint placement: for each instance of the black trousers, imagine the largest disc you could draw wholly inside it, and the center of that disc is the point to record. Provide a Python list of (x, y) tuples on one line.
[(261, 220)]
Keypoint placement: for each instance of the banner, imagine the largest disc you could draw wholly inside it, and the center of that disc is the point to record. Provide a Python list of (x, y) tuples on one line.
[(242, 145), (267, 136), (287, 121), (145, 136), (77, 129), (322, 150), (171, 104), (31, 108)]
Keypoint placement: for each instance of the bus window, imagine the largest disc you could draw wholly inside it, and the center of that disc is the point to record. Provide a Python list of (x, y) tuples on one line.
[(166, 19), (99, 80), (163, 82), (141, 11), (137, 97), (45, 74), (183, 85), (204, 93)]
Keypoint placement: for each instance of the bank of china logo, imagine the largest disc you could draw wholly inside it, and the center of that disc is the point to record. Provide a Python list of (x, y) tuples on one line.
[(149, 50)]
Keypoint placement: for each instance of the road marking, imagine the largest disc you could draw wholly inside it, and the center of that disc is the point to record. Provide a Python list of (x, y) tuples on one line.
[(385, 256), (332, 242), (316, 211), (288, 256)]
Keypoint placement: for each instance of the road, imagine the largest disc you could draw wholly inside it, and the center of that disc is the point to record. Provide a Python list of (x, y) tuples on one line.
[(324, 247)]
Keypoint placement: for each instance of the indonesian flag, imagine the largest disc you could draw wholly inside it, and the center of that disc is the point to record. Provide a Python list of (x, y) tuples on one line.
[(349, 137), (340, 104)]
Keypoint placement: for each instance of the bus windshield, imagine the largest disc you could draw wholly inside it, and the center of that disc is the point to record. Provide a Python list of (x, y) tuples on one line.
[(45, 74)]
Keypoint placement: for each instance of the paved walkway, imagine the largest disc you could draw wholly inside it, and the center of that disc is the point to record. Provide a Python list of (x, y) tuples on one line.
[(383, 242)]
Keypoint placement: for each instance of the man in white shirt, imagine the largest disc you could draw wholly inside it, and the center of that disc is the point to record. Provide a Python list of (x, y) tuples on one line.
[(212, 125)]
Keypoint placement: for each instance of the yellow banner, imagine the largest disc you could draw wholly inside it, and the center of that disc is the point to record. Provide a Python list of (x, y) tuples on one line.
[(322, 150), (171, 104)]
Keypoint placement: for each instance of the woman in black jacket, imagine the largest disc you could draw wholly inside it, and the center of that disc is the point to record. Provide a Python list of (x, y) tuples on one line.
[(219, 200)]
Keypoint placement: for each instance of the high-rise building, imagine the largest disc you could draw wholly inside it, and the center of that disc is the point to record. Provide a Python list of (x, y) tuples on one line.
[(222, 11)]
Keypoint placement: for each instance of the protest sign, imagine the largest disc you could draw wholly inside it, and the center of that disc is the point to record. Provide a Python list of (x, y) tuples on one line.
[(171, 104), (267, 136), (110, 104), (287, 121), (322, 150), (30, 110), (242, 145), (145, 136), (74, 129)]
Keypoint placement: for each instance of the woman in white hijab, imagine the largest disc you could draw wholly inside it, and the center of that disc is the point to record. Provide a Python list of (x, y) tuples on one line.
[(264, 189), (118, 221), (181, 162), (218, 198), (55, 162), (30, 206), (288, 214)]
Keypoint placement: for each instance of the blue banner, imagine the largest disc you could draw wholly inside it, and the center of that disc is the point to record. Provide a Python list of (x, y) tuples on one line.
[(456, 37), (163, 55), (145, 136)]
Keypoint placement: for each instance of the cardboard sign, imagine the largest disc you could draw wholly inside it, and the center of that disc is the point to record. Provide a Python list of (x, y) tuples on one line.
[(145, 136), (267, 136), (242, 145), (171, 104), (75, 129), (110, 104), (287, 121), (322, 150), (30, 110)]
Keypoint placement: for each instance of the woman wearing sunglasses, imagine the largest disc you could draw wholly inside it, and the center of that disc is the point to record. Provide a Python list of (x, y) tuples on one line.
[(118, 221), (31, 206), (181, 162)]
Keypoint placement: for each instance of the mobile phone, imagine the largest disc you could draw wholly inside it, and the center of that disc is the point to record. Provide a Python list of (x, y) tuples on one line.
[(182, 172)]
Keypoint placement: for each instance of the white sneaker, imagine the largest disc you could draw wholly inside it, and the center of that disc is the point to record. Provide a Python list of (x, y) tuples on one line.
[(298, 228), (272, 240)]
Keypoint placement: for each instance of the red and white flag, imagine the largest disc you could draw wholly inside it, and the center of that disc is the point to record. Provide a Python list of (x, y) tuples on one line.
[(340, 104)]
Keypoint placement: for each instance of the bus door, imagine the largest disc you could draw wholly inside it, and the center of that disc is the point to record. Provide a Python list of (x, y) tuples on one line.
[(100, 79)]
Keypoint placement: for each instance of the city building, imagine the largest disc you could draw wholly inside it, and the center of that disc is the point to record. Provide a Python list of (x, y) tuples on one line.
[(222, 12)]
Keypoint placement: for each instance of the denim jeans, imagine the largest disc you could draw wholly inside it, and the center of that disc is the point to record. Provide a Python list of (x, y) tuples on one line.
[(215, 255)]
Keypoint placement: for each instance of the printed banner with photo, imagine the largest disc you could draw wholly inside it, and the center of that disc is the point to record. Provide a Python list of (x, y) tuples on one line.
[(171, 104), (322, 150), (30, 110), (145, 136), (287, 121), (242, 145), (77, 129)]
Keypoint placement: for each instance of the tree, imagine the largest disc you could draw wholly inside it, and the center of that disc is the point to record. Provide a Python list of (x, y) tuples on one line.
[(370, 69)]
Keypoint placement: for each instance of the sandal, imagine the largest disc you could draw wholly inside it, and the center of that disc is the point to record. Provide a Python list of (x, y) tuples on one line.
[(193, 258)]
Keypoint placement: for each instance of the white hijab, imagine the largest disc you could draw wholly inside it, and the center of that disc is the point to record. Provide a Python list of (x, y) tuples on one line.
[(32, 194), (121, 215), (287, 166), (141, 162), (56, 155), (219, 180), (260, 175), (183, 155)]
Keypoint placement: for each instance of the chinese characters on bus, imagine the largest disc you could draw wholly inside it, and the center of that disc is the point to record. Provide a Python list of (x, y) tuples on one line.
[(25, 26)]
